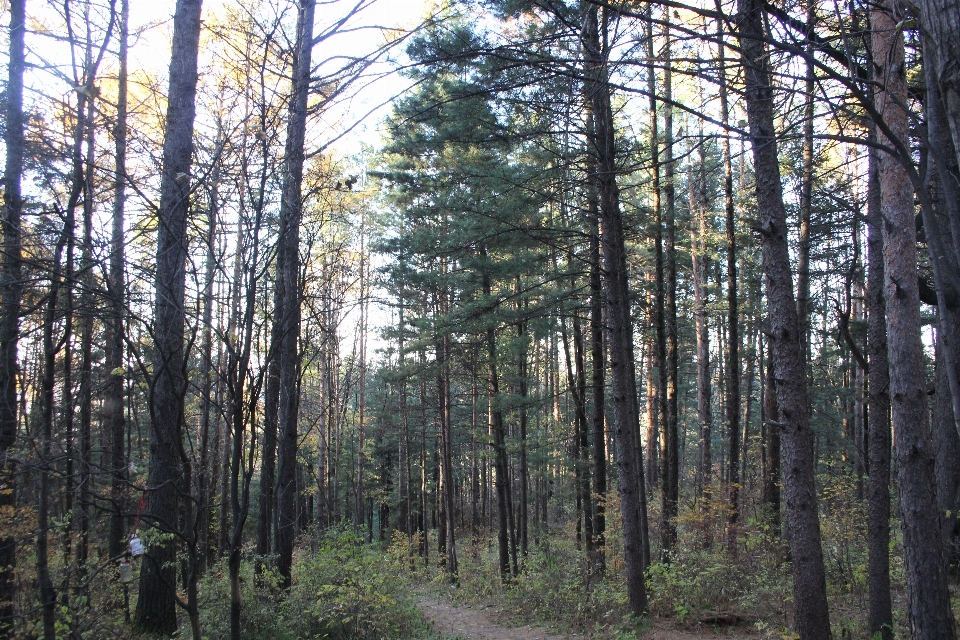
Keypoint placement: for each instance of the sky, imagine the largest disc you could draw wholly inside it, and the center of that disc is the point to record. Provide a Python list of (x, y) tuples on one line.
[(154, 18), (151, 25), (152, 52)]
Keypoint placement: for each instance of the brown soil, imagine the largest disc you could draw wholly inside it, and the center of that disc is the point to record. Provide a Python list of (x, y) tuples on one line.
[(483, 624), (475, 624)]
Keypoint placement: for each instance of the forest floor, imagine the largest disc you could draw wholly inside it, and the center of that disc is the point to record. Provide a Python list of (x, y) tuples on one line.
[(484, 623), (475, 623)]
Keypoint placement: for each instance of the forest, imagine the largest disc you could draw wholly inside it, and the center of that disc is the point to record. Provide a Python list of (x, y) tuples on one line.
[(618, 317)]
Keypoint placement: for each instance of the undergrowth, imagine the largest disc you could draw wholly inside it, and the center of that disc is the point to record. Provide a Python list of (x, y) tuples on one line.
[(717, 578), (343, 589)]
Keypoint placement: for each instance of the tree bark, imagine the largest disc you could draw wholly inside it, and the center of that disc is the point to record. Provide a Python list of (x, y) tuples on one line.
[(806, 199), (732, 384), (811, 613), (524, 474), (597, 419), (361, 395), (928, 599), (947, 444), (700, 258), (501, 474), (288, 275), (446, 433), (659, 355), (941, 21), (114, 422), (626, 423), (156, 606), (11, 293), (268, 454), (671, 440), (880, 616), (204, 503), (48, 596), (942, 228), (86, 304)]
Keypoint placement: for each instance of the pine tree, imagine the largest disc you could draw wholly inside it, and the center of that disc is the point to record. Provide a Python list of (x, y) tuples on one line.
[(156, 606)]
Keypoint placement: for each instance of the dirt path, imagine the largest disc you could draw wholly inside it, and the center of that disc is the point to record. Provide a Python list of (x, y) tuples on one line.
[(475, 624), (481, 624)]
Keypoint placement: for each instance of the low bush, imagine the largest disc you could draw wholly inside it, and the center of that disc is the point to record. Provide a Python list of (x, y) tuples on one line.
[(350, 590), (343, 589)]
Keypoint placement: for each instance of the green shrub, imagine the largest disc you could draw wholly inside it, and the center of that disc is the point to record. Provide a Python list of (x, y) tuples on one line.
[(348, 589), (260, 615), (705, 582), (344, 589), (553, 586)]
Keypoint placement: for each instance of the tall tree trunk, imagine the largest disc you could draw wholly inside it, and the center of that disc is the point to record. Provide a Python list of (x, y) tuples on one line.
[(476, 464), (204, 503), (424, 548), (447, 442), (268, 454), (626, 423), (87, 311), (947, 217), (576, 380), (771, 480), (404, 505), (744, 418), (880, 616), (67, 403), (113, 416), (524, 474), (440, 513), (811, 613), (237, 373), (446, 433), (941, 23), (11, 290), (597, 384), (732, 381), (74, 492), (659, 355), (928, 598), (156, 606), (671, 441), (288, 272), (944, 155), (947, 444), (361, 395), (700, 256), (806, 198), (48, 596), (942, 227), (498, 431), (223, 535)]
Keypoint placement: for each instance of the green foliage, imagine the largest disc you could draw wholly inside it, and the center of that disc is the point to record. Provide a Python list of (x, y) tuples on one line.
[(351, 590), (843, 526), (555, 586), (342, 590), (705, 583), (260, 613)]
